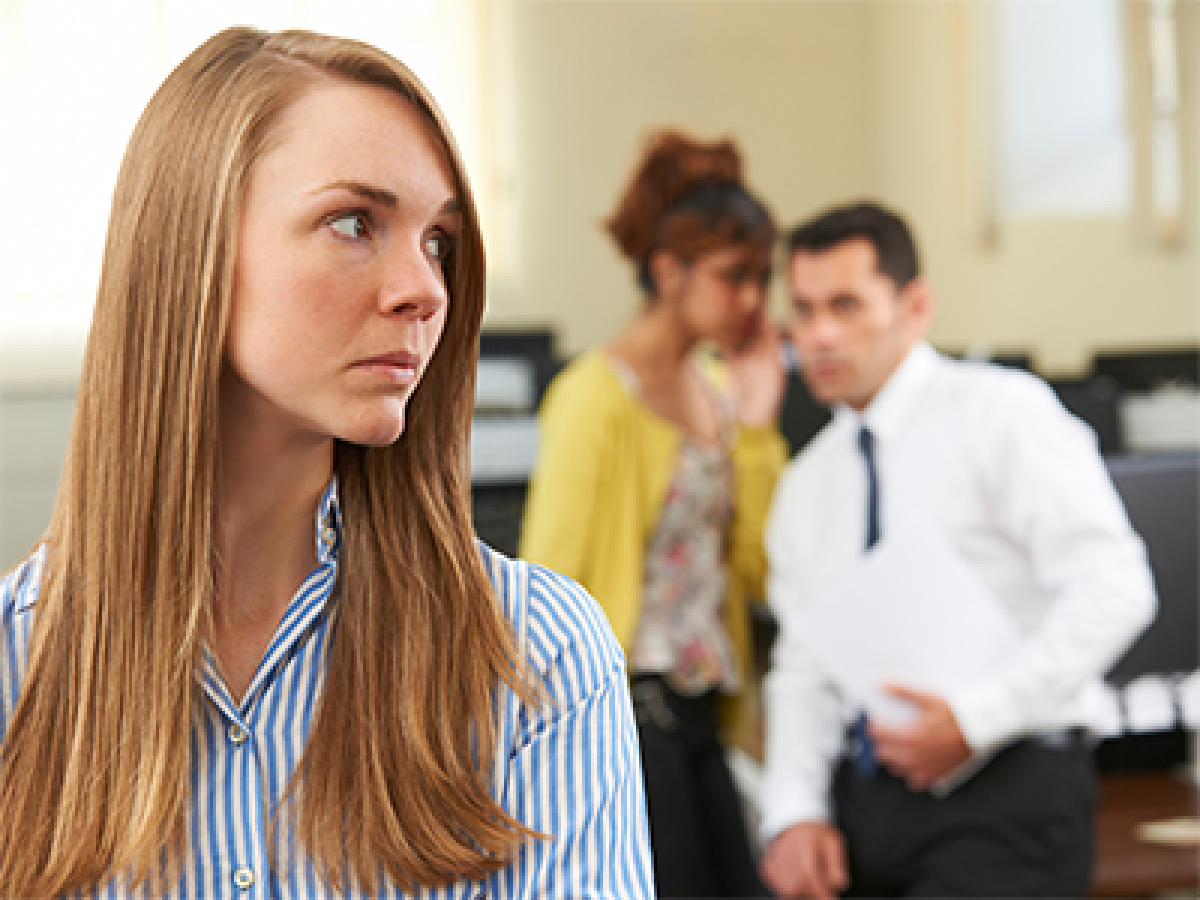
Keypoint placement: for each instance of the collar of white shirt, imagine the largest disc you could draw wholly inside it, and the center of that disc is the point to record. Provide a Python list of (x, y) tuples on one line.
[(892, 406)]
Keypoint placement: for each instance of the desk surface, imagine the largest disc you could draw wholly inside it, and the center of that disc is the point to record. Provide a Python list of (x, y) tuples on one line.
[(1127, 867)]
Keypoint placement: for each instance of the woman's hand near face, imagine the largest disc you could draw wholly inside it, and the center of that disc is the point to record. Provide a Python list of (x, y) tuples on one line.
[(758, 374)]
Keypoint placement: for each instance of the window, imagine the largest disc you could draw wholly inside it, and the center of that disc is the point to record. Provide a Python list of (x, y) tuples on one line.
[(1089, 97), (1064, 143), (1156, 32)]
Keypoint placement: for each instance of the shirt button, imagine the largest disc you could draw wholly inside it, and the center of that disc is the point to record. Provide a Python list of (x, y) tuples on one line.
[(238, 735), (329, 536), (244, 878)]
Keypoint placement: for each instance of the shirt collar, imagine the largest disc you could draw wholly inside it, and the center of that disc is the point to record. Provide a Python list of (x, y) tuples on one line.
[(887, 413), (329, 524)]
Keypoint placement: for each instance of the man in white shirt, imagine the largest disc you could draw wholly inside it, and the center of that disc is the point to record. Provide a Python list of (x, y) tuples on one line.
[(989, 459)]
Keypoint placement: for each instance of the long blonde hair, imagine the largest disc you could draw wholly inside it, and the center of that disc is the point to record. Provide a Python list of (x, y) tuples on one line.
[(95, 768)]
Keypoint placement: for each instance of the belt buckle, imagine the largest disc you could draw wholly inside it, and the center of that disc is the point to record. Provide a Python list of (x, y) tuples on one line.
[(648, 696)]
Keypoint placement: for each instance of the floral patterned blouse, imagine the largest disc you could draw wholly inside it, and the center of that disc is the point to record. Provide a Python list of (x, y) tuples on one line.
[(682, 632)]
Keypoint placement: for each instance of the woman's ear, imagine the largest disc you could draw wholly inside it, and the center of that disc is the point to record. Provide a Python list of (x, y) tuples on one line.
[(666, 273)]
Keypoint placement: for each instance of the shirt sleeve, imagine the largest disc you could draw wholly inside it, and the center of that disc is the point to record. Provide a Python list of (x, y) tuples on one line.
[(19, 591), (758, 454), (805, 717), (574, 770), (575, 438), (1052, 496)]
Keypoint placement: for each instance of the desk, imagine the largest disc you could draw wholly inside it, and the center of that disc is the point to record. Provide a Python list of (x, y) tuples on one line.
[(1127, 867)]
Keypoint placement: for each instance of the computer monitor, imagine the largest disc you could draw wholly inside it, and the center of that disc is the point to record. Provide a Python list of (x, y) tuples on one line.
[(1162, 497)]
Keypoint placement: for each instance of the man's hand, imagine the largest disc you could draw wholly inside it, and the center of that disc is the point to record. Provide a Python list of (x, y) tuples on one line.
[(807, 860), (925, 751)]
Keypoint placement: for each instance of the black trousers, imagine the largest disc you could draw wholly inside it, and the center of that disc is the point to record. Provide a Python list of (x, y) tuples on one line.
[(1021, 827), (697, 831)]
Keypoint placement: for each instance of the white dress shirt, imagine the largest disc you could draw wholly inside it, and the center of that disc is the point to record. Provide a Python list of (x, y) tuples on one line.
[(992, 458)]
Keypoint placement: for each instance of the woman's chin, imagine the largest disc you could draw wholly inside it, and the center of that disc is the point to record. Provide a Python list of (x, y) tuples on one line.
[(381, 431), (728, 346)]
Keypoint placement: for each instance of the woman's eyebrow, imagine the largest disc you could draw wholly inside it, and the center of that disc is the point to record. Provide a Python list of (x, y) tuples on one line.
[(377, 195), (382, 196)]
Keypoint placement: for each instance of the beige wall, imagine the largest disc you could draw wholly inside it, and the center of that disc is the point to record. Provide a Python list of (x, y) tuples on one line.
[(590, 79), (829, 100), (1061, 289)]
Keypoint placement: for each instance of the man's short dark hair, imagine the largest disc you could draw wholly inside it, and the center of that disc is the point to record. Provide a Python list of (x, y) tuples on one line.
[(895, 250)]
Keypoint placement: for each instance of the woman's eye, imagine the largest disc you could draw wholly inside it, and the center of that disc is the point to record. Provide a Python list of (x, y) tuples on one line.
[(740, 276), (438, 246), (351, 225)]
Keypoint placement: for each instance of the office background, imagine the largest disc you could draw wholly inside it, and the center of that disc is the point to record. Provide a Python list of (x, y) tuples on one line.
[(908, 102), (1046, 152), (896, 100)]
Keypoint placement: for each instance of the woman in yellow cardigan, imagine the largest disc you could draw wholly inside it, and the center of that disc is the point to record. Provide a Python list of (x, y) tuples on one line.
[(655, 471)]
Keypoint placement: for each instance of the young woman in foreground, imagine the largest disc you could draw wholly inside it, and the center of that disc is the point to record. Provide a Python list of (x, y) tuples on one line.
[(259, 652), (652, 486)]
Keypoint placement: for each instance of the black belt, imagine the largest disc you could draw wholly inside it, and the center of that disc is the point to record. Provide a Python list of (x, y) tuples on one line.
[(655, 700), (1076, 738)]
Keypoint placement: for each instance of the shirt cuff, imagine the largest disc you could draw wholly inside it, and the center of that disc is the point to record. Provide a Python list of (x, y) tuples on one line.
[(986, 716), (781, 809)]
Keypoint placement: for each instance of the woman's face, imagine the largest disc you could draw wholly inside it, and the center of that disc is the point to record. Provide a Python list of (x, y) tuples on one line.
[(339, 297), (721, 295)]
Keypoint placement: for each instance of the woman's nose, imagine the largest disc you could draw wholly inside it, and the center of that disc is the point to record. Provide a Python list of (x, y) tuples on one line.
[(751, 297), (414, 284)]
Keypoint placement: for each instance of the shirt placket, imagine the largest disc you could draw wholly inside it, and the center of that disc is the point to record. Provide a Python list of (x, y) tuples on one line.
[(241, 868), (240, 859)]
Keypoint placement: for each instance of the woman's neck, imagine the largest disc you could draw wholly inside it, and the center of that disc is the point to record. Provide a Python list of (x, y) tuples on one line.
[(654, 345), (269, 491), (657, 348)]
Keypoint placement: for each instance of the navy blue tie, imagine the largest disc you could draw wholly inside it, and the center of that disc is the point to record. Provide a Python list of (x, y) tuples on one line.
[(866, 444), (864, 758)]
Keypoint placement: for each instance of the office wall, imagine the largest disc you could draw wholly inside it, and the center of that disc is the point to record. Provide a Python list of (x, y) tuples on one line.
[(1060, 288), (829, 100), (33, 440), (588, 80)]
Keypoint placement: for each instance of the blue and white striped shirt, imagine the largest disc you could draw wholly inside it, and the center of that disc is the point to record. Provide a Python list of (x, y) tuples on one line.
[(569, 768)]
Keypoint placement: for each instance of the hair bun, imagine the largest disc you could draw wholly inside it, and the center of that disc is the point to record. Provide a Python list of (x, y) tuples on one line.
[(671, 165)]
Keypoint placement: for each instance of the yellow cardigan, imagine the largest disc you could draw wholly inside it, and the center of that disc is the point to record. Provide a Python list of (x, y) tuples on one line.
[(605, 462)]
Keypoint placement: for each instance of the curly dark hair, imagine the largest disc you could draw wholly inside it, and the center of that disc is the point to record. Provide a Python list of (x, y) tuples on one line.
[(687, 197)]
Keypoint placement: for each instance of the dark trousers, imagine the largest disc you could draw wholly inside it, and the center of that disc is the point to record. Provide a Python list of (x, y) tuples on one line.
[(697, 832), (1021, 827)]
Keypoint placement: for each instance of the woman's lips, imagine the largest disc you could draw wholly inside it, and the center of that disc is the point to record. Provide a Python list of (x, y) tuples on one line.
[(400, 367)]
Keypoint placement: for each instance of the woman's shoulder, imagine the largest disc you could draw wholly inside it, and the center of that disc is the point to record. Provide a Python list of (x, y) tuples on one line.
[(18, 594), (19, 588), (591, 378), (556, 621)]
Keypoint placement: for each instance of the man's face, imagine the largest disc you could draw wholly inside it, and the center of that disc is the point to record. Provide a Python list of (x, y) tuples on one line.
[(850, 322)]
